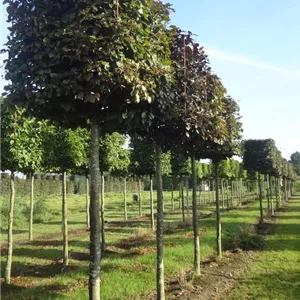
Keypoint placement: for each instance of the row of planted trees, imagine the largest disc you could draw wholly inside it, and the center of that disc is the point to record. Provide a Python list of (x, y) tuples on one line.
[(103, 67), (64, 151), (262, 159)]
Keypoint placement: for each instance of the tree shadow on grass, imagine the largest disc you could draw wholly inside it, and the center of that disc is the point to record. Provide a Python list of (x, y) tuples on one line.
[(44, 292), (8, 291), (39, 253), (69, 223), (274, 285), (15, 231), (22, 270)]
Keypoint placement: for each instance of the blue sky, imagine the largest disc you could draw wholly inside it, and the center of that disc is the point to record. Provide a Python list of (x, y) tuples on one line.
[(254, 47)]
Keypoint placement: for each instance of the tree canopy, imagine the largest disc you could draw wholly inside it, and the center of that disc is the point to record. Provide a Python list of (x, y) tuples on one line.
[(295, 161)]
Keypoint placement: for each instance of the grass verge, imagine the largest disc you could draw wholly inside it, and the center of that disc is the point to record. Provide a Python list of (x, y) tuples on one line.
[(276, 272)]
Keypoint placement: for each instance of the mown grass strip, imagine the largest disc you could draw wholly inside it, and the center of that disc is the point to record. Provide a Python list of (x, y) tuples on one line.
[(276, 274)]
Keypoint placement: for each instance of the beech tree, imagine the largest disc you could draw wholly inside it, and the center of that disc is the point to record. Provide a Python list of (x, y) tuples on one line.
[(121, 169), (295, 161), (110, 148), (260, 156), (21, 150), (78, 60), (172, 118), (285, 174), (181, 168), (208, 116), (83, 168), (142, 163), (64, 152)]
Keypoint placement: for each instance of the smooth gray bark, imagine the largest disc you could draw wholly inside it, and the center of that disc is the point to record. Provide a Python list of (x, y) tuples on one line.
[(125, 199), (140, 198), (103, 239), (195, 218), (159, 230), (172, 195), (87, 202), (260, 199), (10, 229), (65, 220), (271, 196), (151, 204), (187, 196), (31, 207), (182, 202), (95, 248), (219, 229)]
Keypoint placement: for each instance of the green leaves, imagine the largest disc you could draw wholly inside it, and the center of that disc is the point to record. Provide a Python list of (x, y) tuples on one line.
[(142, 158), (66, 150), (263, 156), (295, 161), (113, 157), (64, 49), (21, 140)]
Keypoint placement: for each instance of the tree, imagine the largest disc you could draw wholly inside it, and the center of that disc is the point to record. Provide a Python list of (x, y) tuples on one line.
[(284, 172), (225, 146), (207, 114), (142, 163), (83, 168), (295, 161), (20, 151), (110, 148), (172, 118), (78, 60), (260, 156), (120, 169), (181, 167), (64, 152)]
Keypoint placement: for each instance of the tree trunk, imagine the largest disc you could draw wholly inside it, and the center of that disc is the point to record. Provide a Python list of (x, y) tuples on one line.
[(195, 218), (151, 204), (65, 220), (222, 191), (269, 192), (159, 230), (260, 199), (179, 194), (209, 193), (213, 189), (125, 200), (284, 189), (187, 196), (278, 188), (95, 249), (240, 191), (103, 239), (172, 195), (227, 196), (219, 232), (10, 229), (271, 196), (204, 192), (231, 193), (140, 198), (87, 202), (182, 202), (31, 206)]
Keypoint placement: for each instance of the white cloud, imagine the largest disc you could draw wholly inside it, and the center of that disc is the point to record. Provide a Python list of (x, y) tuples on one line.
[(217, 53)]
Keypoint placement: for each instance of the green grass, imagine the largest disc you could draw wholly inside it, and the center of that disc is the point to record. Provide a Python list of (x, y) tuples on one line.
[(37, 274), (276, 274)]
